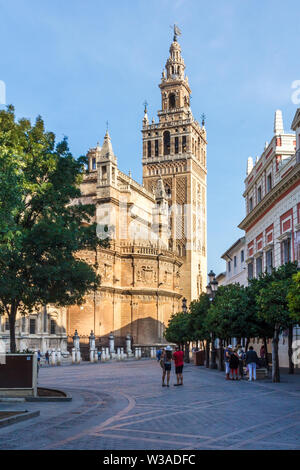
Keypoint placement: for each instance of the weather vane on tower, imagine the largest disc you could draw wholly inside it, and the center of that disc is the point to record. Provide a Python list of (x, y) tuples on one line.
[(176, 30)]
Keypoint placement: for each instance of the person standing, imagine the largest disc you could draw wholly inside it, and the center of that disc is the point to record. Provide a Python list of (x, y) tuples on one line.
[(251, 361), (242, 355), (47, 357), (158, 354), (262, 354), (227, 354), (167, 364), (178, 359), (234, 364)]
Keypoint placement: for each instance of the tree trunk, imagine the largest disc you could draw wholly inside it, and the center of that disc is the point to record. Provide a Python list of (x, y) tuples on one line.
[(275, 358), (247, 344), (187, 352), (290, 349), (266, 352), (221, 355), (213, 364), (12, 327), (207, 354)]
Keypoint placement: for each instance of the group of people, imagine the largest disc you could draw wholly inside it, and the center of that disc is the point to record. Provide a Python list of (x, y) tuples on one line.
[(235, 359), (165, 357)]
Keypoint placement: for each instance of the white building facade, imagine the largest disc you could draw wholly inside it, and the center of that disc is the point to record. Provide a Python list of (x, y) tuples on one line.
[(43, 330), (272, 199), (235, 258)]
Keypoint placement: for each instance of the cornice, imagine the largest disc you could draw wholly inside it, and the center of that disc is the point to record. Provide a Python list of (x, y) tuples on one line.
[(291, 178)]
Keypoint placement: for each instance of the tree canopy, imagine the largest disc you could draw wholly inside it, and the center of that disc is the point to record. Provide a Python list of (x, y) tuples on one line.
[(43, 225)]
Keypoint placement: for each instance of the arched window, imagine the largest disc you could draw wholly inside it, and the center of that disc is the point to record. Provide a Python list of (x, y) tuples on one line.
[(149, 148), (94, 164), (172, 101), (168, 190), (166, 143), (176, 145), (156, 148)]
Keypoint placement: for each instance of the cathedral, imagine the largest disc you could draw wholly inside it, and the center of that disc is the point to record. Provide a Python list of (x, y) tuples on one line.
[(157, 230)]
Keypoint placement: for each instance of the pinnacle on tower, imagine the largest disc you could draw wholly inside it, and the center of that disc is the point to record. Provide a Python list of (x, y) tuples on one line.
[(160, 192), (145, 119), (278, 123), (107, 150), (249, 165)]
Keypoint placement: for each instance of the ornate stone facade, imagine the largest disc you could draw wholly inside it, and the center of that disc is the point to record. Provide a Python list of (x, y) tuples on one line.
[(157, 230), (140, 277), (174, 149)]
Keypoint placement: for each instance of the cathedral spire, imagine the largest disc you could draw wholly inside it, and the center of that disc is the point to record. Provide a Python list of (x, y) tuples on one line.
[(107, 150)]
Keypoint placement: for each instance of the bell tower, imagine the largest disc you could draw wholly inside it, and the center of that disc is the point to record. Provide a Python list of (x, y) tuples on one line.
[(174, 150)]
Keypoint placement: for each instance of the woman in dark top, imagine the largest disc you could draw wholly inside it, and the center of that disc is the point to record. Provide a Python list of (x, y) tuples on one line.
[(167, 363), (234, 365)]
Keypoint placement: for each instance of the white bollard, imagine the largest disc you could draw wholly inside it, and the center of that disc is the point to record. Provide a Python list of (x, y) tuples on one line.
[(91, 355), (118, 354), (107, 354), (111, 343), (103, 355), (73, 355), (128, 345), (78, 356), (53, 357), (58, 356)]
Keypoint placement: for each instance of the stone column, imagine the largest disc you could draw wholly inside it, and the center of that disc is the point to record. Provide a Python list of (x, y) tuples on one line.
[(76, 342), (58, 354), (92, 347), (103, 355), (53, 357), (111, 344), (107, 354), (128, 345), (73, 355)]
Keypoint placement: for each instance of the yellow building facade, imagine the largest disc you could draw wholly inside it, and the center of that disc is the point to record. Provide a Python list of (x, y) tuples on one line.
[(157, 230)]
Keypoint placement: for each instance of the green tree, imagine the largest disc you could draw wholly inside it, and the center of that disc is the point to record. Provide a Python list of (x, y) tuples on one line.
[(272, 302), (229, 315), (294, 298), (199, 310), (42, 230), (178, 330)]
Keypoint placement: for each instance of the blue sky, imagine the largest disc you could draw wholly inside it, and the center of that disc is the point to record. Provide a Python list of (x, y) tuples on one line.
[(80, 63)]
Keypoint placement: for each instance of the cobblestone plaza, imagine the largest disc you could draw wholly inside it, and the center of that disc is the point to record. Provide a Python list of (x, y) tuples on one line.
[(121, 405)]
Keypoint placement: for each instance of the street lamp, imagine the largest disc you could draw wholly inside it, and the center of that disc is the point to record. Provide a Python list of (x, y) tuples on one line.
[(186, 352), (211, 290)]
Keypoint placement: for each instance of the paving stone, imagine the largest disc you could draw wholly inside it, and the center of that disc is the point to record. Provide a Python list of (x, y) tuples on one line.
[(123, 406)]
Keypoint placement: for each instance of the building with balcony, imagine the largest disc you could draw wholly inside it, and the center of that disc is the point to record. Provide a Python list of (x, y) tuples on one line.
[(272, 201)]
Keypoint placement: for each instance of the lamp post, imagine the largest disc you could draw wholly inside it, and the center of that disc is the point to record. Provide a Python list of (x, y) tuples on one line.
[(186, 351), (211, 290)]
